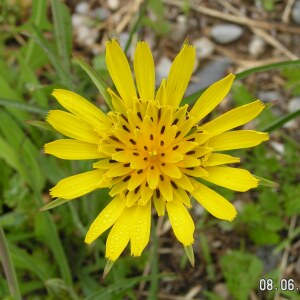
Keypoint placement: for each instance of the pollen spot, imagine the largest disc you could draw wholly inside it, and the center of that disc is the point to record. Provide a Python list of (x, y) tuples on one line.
[(163, 129), (140, 171), (126, 178), (177, 134), (152, 167), (163, 164), (132, 141), (136, 189), (191, 152), (125, 128), (175, 122), (139, 115), (157, 193), (175, 147), (111, 161), (151, 137), (191, 140), (146, 148), (161, 177), (174, 184), (126, 165), (163, 154), (135, 153), (119, 149), (162, 143)]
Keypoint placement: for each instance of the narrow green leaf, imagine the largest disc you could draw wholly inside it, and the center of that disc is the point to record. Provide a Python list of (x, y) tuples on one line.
[(41, 124), (281, 121), (54, 59), (21, 106), (53, 203), (107, 268), (266, 182), (96, 78), (190, 254), (8, 267), (62, 33)]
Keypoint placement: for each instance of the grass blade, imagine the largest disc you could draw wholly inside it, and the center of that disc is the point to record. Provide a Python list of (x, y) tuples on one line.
[(281, 121), (8, 266), (53, 203), (96, 78), (24, 107)]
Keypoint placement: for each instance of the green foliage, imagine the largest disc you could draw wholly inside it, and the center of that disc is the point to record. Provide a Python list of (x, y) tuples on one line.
[(292, 76), (241, 271)]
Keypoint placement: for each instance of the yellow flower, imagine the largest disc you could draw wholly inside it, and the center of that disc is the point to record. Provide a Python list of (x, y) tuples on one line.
[(150, 150)]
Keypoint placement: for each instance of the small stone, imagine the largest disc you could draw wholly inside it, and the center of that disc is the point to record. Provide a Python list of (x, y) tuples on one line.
[(221, 290), (268, 96), (256, 46), (100, 13), (204, 47), (278, 147), (77, 20), (113, 4), (179, 30), (294, 104), (163, 68), (82, 8), (226, 33), (296, 12)]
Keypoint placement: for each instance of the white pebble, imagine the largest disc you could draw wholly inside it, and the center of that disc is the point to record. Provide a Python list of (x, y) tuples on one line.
[(296, 12), (163, 68), (256, 46), (113, 4), (77, 20), (82, 8), (226, 33), (294, 104), (204, 47)]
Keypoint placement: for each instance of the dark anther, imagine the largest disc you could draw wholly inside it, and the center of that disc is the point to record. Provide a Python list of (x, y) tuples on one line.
[(191, 168), (132, 141), (174, 184), (159, 113), (126, 193), (152, 167), (151, 118), (175, 147), (162, 143), (135, 153), (136, 189), (191, 140), (124, 118), (112, 161), (125, 128), (191, 152), (162, 129), (163, 164), (163, 154), (119, 149), (140, 171), (146, 148), (161, 177), (175, 122), (145, 158), (114, 138), (157, 193), (139, 115), (137, 127), (151, 137), (177, 134), (126, 178), (126, 165), (146, 184)]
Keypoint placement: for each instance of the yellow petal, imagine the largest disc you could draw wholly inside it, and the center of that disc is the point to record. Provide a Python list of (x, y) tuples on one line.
[(165, 188), (105, 219), (237, 139), (180, 74), (140, 232), (118, 169), (235, 117), (120, 72), (212, 96), (232, 178), (144, 71), (78, 185), (184, 182), (170, 170), (136, 179), (214, 203), (73, 149), (152, 177), (181, 221), (161, 93), (80, 107), (119, 235), (216, 159), (117, 102), (72, 126)]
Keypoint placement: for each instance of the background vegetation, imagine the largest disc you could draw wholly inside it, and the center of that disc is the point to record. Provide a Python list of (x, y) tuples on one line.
[(42, 253)]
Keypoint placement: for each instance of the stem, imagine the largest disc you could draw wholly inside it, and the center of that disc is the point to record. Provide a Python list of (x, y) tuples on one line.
[(8, 266)]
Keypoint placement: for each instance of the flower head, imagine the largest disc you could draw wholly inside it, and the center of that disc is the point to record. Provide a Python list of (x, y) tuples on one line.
[(152, 151)]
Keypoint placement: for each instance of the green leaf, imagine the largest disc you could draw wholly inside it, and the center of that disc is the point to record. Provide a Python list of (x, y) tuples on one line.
[(241, 271), (266, 182), (54, 203), (96, 78), (41, 124), (20, 106), (62, 33)]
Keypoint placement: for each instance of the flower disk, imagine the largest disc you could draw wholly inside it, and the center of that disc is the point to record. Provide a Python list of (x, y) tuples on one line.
[(150, 150)]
